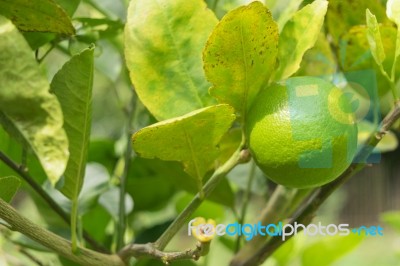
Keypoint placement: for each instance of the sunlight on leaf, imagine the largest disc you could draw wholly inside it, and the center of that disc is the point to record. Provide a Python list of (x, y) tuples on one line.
[(375, 39), (293, 42), (163, 44), (240, 55), (190, 139), (37, 15)]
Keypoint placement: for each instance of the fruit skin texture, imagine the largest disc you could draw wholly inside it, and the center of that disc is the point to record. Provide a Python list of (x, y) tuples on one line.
[(302, 133)]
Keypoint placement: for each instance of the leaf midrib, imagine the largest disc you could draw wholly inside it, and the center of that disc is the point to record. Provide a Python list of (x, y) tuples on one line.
[(85, 133)]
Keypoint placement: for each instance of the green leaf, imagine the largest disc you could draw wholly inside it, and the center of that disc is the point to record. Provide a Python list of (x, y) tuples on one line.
[(375, 39), (163, 44), (330, 249), (8, 187), (393, 11), (299, 35), (73, 87), (240, 55), (355, 54), (190, 139), (69, 6), (26, 106), (37, 15), (343, 15), (291, 7)]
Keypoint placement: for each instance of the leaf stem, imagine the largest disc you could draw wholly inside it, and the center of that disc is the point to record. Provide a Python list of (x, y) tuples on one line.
[(127, 161), (46, 197), (208, 188), (74, 220), (246, 199)]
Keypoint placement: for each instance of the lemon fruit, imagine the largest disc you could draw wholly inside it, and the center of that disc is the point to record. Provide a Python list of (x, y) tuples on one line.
[(302, 132)]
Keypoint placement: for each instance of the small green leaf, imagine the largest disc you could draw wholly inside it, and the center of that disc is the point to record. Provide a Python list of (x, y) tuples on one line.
[(287, 13), (329, 249), (8, 187), (163, 44), (393, 13), (190, 139), (37, 15), (299, 35), (240, 55), (375, 39), (27, 110), (73, 87)]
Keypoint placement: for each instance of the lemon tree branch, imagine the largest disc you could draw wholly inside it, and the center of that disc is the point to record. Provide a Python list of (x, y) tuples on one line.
[(21, 171), (148, 250), (54, 242)]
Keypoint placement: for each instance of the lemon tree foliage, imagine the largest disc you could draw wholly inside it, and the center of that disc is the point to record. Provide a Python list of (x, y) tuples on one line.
[(240, 55), (40, 123), (375, 39), (342, 15), (164, 55), (191, 139), (73, 87), (293, 43), (124, 120), (29, 15)]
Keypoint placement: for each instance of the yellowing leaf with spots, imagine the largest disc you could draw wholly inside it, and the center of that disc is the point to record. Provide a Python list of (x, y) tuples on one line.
[(190, 139), (299, 35), (163, 44), (240, 55)]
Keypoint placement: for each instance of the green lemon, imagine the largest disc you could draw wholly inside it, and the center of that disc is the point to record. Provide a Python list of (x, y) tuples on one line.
[(302, 132)]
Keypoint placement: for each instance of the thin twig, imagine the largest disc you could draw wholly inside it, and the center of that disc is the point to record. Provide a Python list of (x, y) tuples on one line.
[(30, 256), (127, 161), (149, 251), (246, 199), (54, 242), (21, 171), (40, 60)]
